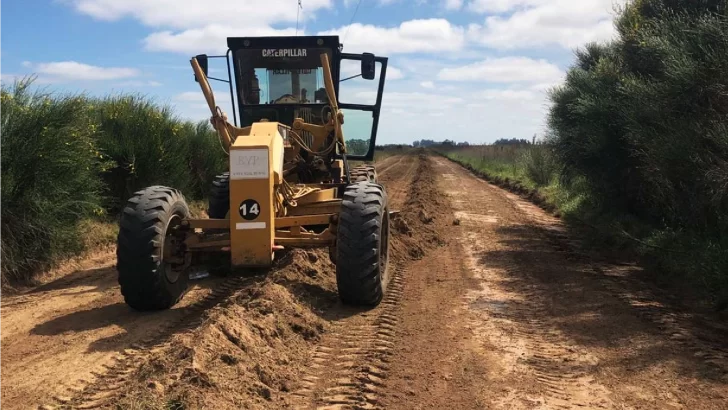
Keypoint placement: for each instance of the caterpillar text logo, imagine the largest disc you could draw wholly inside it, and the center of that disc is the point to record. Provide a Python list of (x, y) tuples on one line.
[(284, 52)]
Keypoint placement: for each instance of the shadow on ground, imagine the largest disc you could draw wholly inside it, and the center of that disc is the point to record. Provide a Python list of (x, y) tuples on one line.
[(595, 304)]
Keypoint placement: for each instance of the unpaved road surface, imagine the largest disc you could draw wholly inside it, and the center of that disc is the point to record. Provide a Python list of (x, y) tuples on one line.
[(503, 310)]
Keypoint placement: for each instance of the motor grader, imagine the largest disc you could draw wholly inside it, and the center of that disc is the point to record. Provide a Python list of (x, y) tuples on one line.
[(290, 182)]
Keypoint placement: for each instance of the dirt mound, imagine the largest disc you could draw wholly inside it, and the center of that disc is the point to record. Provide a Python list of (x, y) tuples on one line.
[(421, 218), (249, 350)]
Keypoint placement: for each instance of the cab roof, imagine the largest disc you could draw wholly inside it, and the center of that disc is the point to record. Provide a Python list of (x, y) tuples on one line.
[(332, 42)]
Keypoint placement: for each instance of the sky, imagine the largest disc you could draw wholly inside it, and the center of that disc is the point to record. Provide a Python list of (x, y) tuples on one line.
[(464, 70)]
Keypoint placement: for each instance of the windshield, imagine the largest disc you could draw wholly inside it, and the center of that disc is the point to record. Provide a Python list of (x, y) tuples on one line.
[(280, 76)]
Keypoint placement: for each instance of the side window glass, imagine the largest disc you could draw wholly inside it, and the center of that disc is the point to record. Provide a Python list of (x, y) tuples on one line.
[(357, 90), (357, 130)]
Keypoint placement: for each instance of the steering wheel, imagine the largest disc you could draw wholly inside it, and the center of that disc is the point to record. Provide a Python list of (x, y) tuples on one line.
[(286, 99)]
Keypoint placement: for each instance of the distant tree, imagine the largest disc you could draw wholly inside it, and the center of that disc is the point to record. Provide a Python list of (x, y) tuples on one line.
[(512, 141), (357, 146)]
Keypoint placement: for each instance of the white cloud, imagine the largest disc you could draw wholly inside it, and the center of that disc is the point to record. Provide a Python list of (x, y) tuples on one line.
[(453, 4), (503, 113), (349, 68), (184, 14), (537, 23), (62, 71), (444, 73), (208, 39), (500, 6), (198, 97), (418, 100), (138, 83), (413, 36), (505, 70), (394, 73), (10, 77), (503, 95)]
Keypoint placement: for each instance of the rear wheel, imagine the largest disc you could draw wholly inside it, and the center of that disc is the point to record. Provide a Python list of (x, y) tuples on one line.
[(218, 207), (218, 203), (362, 245), (152, 277), (363, 173)]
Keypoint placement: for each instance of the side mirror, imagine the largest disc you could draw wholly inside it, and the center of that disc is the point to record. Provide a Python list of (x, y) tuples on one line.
[(202, 61), (368, 66)]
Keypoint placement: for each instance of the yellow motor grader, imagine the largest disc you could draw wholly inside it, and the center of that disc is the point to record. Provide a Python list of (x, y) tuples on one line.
[(289, 182)]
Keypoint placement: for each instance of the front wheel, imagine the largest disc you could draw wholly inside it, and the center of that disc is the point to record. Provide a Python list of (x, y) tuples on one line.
[(152, 277), (362, 244)]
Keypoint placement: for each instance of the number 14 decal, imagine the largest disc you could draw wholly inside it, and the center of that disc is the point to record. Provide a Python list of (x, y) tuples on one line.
[(249, 209)]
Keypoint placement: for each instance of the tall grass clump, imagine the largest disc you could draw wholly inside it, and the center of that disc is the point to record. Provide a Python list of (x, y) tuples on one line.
[(532, 165), (644, 120), (205, 157), (50, 183), (148, 145), (539, 164), (69, 162)]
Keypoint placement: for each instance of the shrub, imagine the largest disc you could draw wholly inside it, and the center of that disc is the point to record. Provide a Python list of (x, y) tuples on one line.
[(642, 120), (145, 145), (205, 157), (539, 165), (49, 176)]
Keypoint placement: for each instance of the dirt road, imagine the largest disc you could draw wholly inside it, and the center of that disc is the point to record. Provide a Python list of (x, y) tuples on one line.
[(512, 316), (503, 310)]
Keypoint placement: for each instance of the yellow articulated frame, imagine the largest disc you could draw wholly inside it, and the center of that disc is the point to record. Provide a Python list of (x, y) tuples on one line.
[(289, 231)]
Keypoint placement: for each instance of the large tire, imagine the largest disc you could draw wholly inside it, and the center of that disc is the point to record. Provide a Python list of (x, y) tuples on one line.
[(147, 282), (362, 244), (363, 173), (218, 203)]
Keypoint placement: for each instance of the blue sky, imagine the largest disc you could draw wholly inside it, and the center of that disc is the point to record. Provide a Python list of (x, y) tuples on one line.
[(467, 70)]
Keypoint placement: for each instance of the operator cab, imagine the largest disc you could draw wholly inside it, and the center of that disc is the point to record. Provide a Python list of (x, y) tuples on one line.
[(281, 78)]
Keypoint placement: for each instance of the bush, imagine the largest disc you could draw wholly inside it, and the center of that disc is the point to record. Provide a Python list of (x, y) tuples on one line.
[(643, 118), (68, 160), (205, 157), (643, 121), (147, 145), (50, 182), (539, 164), (143, 143)]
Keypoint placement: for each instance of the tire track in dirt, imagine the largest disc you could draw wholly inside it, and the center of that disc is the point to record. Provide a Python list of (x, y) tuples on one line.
[(74, 335), (350, 372), (386, 164), (559, 334), (398, 179), (112, 377), (558, 371), (703, 336), (350, 365)]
